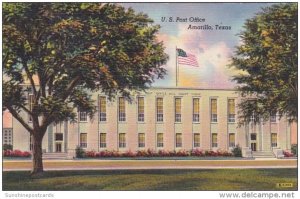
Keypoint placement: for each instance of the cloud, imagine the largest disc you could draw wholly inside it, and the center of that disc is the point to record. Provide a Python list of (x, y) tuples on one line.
[(213, 56)]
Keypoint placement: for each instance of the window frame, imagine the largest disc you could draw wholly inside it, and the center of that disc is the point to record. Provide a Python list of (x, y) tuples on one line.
[(159, 110), (178, 116), (214, 144), (178, 140), (102, 144), (122, 142), (229, 142), (121, 115), (231, 116), (159, 144), (82, 116), (102, 114), (141, 109), (213, 117), (81, 143), (274, 144), (196, 116), (194, 140), (143, 143)]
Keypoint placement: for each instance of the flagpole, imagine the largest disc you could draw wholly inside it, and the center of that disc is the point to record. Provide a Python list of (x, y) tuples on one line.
[(176, 67)]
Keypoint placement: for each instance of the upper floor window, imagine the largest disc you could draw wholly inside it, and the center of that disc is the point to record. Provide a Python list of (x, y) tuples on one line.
[(102, 109), (177, 109), (82, 116), (59, 136), (141, 109), (214, 110), (273, 118), (122, 109), (159, 110), (196, 110), (231, 110)]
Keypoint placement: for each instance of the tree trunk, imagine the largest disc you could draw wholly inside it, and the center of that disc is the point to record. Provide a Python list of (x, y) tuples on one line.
[(37, 161)]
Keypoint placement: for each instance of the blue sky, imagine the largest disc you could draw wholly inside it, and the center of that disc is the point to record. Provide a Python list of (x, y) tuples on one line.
[(213, 48)]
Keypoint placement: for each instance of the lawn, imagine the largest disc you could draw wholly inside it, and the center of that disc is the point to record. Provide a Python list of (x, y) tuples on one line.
[(210, 179)]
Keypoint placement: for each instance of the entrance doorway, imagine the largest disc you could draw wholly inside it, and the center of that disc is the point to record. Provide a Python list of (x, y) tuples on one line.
[(253, 137), (58, 147)]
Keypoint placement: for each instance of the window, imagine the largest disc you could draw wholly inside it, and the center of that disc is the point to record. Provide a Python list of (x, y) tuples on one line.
[(59, 137), (122, 140), (141, 140), (31, 104), (83, 140), (253, 136), (274, 139), (160, 140), (82, 116), (122, 113), (213, 106), (214, 140), (231, 110), (159, 110), (7, 137), (177, 109), (102, 109), (196, 139), (273, 118), (196, 110), (178, 140), (102, 140), (231, 140), (252, 118), (141, 108)]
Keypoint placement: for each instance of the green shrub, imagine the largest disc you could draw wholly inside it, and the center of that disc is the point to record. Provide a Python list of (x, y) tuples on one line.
[(7, 147), (237, 151), (294, 149), (80, 153)]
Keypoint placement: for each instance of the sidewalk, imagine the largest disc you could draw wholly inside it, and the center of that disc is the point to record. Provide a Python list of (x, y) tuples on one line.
[(14, 165)]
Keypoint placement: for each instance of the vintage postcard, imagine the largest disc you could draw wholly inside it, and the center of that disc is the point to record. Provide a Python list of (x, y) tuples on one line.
[(150, 97)]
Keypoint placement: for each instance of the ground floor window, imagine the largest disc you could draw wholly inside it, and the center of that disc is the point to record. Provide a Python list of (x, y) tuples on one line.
[(214, 140), (83, 140), (231, 140), (102, 140), (122, 140), (274, 139), (196, 139), (160, 140), (178, 140), (141, 140)]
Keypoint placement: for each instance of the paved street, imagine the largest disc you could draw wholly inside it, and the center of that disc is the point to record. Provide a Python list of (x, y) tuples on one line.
[(14, 165)]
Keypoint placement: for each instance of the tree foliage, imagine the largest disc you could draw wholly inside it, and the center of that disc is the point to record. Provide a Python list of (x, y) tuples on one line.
[(268, 58), (73, 49), (64, 52)]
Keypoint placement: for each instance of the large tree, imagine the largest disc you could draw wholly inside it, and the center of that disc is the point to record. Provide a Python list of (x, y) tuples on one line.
[(268, 58), (64, 51)]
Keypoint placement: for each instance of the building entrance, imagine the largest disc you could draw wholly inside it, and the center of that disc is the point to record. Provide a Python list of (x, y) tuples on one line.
[(253, 139)]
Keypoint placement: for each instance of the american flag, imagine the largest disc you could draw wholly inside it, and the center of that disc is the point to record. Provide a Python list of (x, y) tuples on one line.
[(186, 58)]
